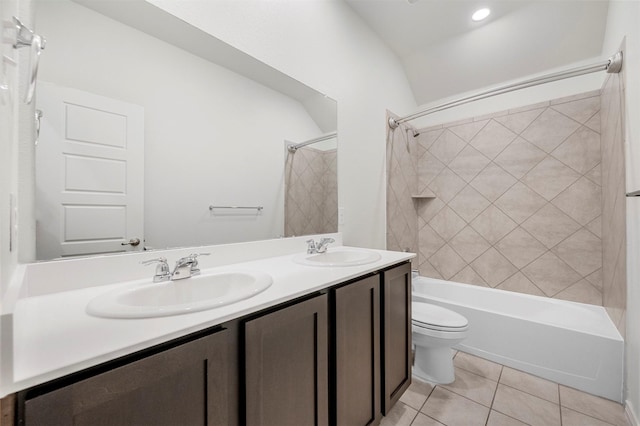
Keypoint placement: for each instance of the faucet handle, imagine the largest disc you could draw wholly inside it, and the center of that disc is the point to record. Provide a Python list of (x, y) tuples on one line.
[(321, 247), (150, 261), (193, 257), (311, 246), (163, 272)]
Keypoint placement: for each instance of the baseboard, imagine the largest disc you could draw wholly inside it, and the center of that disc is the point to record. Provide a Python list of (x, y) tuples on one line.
[(632, 418)]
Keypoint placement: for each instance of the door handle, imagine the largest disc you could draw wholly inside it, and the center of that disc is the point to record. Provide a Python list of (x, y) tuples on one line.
[(132, 242)]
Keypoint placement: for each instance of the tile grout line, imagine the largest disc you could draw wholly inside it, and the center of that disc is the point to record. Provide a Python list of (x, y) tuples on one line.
[(425, 401), (504, 384), (415, 416), (466, 397), (494, 394), (560, 404), (511, 417)]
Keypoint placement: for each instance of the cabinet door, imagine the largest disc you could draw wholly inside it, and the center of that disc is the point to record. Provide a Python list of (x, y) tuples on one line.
[(191, 384), (286, 362), (357, 363), (396, 337)]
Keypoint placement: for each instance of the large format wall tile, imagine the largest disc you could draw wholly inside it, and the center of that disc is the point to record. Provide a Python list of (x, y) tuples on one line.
[(492, 139), (550, 274), (520, 247), (520, 202), (550, 129), (550, 225), (517, 199), (528, 200), (493, 224), (447, 146), (493, 181), (469, 244), (520, 157), (581, 150), (493, 267), (613, 273), (311, 192), (550, 177), (402, 182)]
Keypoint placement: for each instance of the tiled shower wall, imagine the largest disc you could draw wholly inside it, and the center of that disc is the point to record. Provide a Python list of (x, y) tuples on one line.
[(516, 199), (614, 289), (402, 183), (311, 192)]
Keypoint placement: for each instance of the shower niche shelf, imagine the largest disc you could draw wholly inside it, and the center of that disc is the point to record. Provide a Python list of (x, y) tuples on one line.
[(424, 195)]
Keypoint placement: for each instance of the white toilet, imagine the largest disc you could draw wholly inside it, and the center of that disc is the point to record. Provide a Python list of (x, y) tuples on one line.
[(435, 330)]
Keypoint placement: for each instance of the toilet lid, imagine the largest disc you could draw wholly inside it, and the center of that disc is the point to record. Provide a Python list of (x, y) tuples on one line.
[(433, 315)]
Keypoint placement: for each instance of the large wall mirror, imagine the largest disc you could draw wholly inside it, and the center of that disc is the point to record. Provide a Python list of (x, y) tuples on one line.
[(153, 130)]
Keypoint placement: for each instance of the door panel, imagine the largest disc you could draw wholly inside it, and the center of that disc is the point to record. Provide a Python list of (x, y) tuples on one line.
[(357, 331), (397, 334), (287, 366), (89, 173), (192, 384)]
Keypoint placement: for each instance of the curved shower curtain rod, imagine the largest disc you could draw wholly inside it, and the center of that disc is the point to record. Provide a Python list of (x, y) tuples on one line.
[(294, 147), (611, 65)]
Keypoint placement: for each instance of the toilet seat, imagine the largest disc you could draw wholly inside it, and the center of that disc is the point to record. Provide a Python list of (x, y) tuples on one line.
[(434, 332), (437, 318)]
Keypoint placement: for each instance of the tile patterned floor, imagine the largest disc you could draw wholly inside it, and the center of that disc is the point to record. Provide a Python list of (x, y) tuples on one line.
[(486, 393)]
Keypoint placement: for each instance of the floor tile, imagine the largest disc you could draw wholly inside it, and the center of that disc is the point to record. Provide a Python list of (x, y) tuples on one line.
[(477, 365), (518, 399), (400, 415), (530, 384), (600, 408), (422, 420), (417, 393), (452, 409), (526, 408), (573, 418), (499, 419), (472, 386)]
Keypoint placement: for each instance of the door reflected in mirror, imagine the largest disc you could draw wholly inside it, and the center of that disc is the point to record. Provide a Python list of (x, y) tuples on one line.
[(211, 136)]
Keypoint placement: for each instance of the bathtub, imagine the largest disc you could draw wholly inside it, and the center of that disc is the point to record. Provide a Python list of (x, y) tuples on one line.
[(570, 343)]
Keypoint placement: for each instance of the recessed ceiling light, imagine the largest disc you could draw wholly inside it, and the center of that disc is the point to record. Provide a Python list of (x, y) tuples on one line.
[(480, 14)]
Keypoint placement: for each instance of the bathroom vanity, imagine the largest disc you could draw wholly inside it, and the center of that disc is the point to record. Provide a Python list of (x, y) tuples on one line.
[(334, 351)]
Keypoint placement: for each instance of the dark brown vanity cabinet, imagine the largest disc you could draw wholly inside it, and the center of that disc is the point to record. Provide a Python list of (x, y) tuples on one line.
[(341, 356), (194, 383), (372, 345), (396, 334), (286, 366), (357, 352)]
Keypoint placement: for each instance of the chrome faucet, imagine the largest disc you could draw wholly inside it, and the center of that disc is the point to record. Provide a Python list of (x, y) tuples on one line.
[(320, 247), (187, 266), (163, 273)]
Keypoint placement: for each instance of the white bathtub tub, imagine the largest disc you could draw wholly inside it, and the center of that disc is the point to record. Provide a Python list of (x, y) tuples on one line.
[(569, 343)]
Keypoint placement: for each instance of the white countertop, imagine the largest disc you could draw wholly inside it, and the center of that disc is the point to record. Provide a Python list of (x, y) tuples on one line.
[(53, 335)]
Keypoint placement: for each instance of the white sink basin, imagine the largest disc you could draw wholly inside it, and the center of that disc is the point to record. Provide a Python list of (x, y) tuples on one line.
[(338, 257), (166, 298)]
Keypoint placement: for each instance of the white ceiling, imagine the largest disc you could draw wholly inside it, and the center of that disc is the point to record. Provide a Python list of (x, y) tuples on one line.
[(445, 53)]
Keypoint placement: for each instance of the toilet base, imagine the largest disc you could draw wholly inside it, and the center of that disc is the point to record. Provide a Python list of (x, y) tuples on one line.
[(434, 365)]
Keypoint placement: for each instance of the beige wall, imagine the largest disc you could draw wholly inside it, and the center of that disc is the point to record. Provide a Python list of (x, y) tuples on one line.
[(311, 192), (517, 200)]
